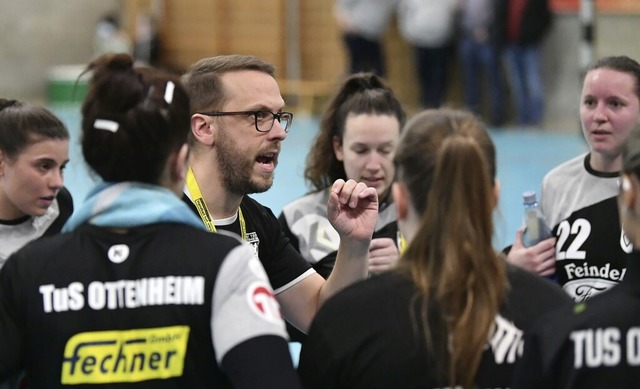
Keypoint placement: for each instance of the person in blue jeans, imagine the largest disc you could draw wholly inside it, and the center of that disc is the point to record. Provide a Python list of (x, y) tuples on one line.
[(480, 59), (521, 25)]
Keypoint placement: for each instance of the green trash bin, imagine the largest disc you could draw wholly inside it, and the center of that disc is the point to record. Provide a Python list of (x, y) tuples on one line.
[(64, 85)]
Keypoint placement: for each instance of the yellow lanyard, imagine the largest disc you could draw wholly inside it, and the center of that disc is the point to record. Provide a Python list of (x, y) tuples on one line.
[(201, 206), (402, 242)]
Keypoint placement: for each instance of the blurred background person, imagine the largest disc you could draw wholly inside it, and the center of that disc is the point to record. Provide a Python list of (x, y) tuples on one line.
[(453, 313), (362, 24), (480, 60), (110, 37), (521, 26), (429, 27)]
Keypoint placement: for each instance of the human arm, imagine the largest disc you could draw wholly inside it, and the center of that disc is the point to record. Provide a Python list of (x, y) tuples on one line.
[(352, 210), (539, 258), (248, 332)]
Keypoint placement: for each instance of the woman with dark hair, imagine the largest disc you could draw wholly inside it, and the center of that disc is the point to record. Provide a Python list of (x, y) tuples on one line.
[(34, 150), (579, 197), (595, 344), (137, 291), (452, 314), (358, 134)]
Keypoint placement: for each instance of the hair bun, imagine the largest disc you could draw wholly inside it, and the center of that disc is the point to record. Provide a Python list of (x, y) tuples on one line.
[(4, 103)]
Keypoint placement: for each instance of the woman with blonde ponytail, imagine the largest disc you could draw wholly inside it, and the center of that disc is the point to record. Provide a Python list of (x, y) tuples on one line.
[(453, 313)]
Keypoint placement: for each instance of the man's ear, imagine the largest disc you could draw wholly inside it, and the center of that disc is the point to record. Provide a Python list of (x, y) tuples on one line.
[(202, 129), (399, 193), (337, 148)]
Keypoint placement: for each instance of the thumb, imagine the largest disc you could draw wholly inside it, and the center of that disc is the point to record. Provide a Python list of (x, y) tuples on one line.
[(518, 240)]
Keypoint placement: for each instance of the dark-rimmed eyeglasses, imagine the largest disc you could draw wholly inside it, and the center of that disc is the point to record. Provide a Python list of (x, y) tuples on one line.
[(263, 119)]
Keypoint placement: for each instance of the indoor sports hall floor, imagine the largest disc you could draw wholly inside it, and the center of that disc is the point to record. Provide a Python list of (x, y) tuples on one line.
[(524, 156)]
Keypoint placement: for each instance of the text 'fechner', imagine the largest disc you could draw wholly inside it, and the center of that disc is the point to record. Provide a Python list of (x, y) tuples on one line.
[(169, 290)]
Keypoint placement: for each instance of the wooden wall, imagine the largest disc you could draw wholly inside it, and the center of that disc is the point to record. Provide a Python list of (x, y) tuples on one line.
[(194, 29)]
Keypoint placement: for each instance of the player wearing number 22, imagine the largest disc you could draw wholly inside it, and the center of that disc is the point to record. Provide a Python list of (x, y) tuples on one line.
[(579, 196)]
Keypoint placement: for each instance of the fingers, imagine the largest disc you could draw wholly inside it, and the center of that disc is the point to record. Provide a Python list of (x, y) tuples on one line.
[(381, 243), (351, 192), (383, 255), (517, 242)]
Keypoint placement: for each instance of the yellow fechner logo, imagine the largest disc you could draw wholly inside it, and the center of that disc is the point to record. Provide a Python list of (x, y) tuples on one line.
[(125, 356)]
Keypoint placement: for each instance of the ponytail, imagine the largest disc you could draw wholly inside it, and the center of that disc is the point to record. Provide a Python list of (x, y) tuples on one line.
[(451, 260)]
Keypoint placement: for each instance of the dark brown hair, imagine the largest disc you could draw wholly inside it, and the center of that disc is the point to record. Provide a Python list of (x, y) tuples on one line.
[(360, 93), (446, 159), (22, 124), (149, 113), (622, 64)]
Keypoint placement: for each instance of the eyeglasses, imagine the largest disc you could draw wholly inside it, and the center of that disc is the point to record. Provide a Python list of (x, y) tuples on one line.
[(263, 119)]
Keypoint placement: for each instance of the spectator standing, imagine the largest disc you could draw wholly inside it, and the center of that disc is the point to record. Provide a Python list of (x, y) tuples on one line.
[(429, 27), (521, 26), (362, 24), (480, 59)]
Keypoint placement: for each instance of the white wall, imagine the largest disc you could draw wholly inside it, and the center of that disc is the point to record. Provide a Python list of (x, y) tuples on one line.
[(37, 35)]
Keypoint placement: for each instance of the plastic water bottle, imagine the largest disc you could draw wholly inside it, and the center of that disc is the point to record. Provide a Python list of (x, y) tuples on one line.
[(536, 228)]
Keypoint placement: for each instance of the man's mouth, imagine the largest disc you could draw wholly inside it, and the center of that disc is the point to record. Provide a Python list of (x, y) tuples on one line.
[(267, 158)]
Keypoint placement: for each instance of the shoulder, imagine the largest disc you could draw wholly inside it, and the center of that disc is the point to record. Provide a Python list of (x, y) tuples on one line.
[(314, 203), (531, 296), (255, 209), (566, 169), (389, 287), (309, 200)]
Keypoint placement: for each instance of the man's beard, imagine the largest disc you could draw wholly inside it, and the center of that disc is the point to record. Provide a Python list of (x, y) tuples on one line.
[(236, 169)]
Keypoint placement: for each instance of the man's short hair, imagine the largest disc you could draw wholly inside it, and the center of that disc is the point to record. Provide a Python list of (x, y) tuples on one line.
[(202, 79)]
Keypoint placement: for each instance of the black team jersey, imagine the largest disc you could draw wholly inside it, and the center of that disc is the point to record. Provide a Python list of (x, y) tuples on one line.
[(283, 264), (594, 345), (163, 305), (365, 336)]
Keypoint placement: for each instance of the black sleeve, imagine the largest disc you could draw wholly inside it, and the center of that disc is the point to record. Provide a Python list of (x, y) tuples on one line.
[(65, 204), (287, 231), (261, 362)]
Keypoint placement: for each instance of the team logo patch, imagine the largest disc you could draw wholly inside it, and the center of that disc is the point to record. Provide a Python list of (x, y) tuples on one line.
[(263, 302), (118, 253), (125, 356)]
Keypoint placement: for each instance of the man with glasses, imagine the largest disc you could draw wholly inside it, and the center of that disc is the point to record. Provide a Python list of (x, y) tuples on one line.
[(237, 128)]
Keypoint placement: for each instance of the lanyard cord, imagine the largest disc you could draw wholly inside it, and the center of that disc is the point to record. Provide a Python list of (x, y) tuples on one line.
[(201, 206)]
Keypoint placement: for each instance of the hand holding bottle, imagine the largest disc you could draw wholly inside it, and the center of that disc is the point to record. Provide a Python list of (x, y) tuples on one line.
[(539, 258)]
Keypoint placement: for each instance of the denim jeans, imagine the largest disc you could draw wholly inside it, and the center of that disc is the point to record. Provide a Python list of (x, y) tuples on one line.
[(523, 64), (480, 62), (364, 55), (432, 65)]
